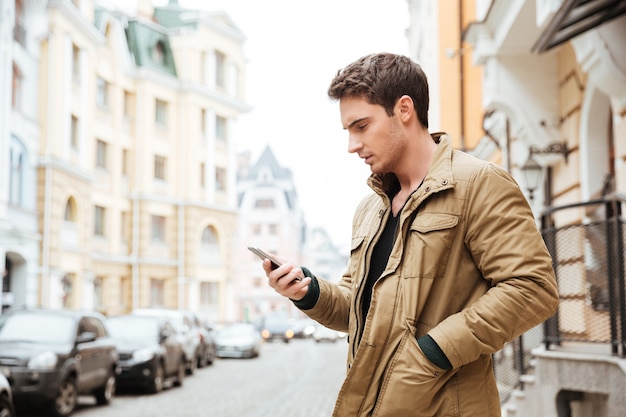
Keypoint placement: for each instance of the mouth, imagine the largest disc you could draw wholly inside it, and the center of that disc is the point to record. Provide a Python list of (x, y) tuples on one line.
[(367, 159)]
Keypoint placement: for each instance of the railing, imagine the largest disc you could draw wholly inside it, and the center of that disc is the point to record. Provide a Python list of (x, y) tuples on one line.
[(586, 241), (589, 261)]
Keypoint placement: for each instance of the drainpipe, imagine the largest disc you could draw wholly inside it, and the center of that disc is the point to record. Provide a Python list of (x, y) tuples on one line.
[(462, 79), (47, 160), (134, 255), (181, 212)]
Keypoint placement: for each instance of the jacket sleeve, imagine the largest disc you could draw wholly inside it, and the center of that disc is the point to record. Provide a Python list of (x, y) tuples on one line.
[(508, 249)]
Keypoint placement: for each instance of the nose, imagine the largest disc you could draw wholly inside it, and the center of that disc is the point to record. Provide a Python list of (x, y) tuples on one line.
[(354, 144)]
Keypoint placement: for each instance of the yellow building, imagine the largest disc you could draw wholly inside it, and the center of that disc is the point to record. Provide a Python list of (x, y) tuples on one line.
[(136, 186), (436, 42)]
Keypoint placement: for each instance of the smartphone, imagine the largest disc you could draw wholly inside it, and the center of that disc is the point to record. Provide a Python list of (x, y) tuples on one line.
[(264, 255)]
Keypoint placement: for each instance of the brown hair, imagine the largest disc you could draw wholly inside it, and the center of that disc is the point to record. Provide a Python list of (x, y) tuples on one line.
[(382, 79)]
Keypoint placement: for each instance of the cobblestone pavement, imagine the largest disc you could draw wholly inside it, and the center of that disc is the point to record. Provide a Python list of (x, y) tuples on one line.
[(298, 379)]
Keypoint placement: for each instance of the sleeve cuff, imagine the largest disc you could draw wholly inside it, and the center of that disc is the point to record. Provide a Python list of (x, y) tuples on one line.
[(433, 352), (312, 295)]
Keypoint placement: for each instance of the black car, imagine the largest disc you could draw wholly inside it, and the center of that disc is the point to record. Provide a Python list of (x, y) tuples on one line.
[(150, 352), (185, 331), (50, 357)]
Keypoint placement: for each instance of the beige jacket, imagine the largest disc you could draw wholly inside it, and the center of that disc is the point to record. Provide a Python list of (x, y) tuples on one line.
[(469, 267)]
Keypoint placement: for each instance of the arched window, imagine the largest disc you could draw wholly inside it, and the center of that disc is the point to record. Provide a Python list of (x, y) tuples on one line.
[(70, 210), (209, 246)]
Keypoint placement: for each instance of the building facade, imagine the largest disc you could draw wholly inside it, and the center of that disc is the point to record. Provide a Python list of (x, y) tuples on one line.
[(435, 42), (22, 26), (127, 163), (272, 220), (554, 87)]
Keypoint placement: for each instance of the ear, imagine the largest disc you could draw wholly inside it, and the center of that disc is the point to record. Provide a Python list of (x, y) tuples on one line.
[(404, 108)]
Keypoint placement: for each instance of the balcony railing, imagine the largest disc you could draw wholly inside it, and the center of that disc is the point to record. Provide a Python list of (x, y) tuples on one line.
[(588, 259), (586, 241)]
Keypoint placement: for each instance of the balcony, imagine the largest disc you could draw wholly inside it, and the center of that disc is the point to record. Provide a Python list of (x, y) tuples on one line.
[(590, 325)]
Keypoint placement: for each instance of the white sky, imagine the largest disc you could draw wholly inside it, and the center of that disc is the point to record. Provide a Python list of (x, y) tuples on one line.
[(294, 49)]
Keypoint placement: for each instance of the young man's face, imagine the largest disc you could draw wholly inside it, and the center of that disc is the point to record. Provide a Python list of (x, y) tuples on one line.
[(372, 134)]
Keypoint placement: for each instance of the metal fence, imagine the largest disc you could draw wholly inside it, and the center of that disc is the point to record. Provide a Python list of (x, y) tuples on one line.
[(586, 241)]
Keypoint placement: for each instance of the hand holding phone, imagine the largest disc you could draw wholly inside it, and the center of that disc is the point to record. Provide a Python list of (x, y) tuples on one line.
[(264, 255)]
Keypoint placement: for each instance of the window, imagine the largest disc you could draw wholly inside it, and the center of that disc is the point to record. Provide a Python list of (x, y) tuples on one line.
[(202, 181), (17, 160), (124, 226), (160, 163), (160, 113), (101, 154), (157, 292), (158, 229), (98, 296), (221, 128), (209, 246), (125, 162), (75, 63), (220, 179), (129, 105), (264, 203), (209, 293), (67, 285), (16, 92), (220, 69), (99, 225), (70, 211), (273, 229), (203, 127), (19, 33), (102, 93), (256, 229), (74, 133), (158, 53)]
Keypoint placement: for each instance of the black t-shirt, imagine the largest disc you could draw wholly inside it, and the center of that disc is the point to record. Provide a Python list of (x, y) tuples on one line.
[(380, 256)]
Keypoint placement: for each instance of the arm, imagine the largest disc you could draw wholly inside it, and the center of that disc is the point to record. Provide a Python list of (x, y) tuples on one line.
[(503, 239)]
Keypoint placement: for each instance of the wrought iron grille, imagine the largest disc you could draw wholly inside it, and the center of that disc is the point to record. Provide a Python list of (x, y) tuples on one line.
[(586, 241)]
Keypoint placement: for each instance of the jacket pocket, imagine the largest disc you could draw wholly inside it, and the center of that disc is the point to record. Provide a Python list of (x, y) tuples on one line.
[(413, 385), (428, 244)]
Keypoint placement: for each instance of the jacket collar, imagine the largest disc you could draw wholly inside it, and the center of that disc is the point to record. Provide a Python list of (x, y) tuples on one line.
[(439, 174)]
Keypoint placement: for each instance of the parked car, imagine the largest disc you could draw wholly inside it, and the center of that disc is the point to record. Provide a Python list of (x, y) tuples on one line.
[(208, 350), (303, 328), (238, 340), (277, 325), (6, 397), (150, 352), (324, 334), (53, 356), (185, 329)]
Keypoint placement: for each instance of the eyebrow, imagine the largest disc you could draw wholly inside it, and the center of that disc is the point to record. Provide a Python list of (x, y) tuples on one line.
[(355, 122)]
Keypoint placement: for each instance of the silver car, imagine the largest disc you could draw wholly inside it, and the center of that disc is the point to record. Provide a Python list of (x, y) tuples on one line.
[(6, 398)]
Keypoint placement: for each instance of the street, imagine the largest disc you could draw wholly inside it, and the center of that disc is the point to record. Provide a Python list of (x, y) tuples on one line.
[(298, 379)]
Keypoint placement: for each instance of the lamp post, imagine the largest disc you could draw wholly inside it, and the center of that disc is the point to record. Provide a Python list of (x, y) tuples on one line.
[(533, 172)]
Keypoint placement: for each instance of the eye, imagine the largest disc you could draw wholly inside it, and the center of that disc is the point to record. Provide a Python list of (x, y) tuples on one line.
[(361, 127)]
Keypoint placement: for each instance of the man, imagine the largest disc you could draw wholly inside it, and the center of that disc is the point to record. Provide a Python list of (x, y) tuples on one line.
[(446, 264)]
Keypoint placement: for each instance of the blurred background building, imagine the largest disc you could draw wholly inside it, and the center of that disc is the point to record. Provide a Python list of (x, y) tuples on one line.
[(123, 169)]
